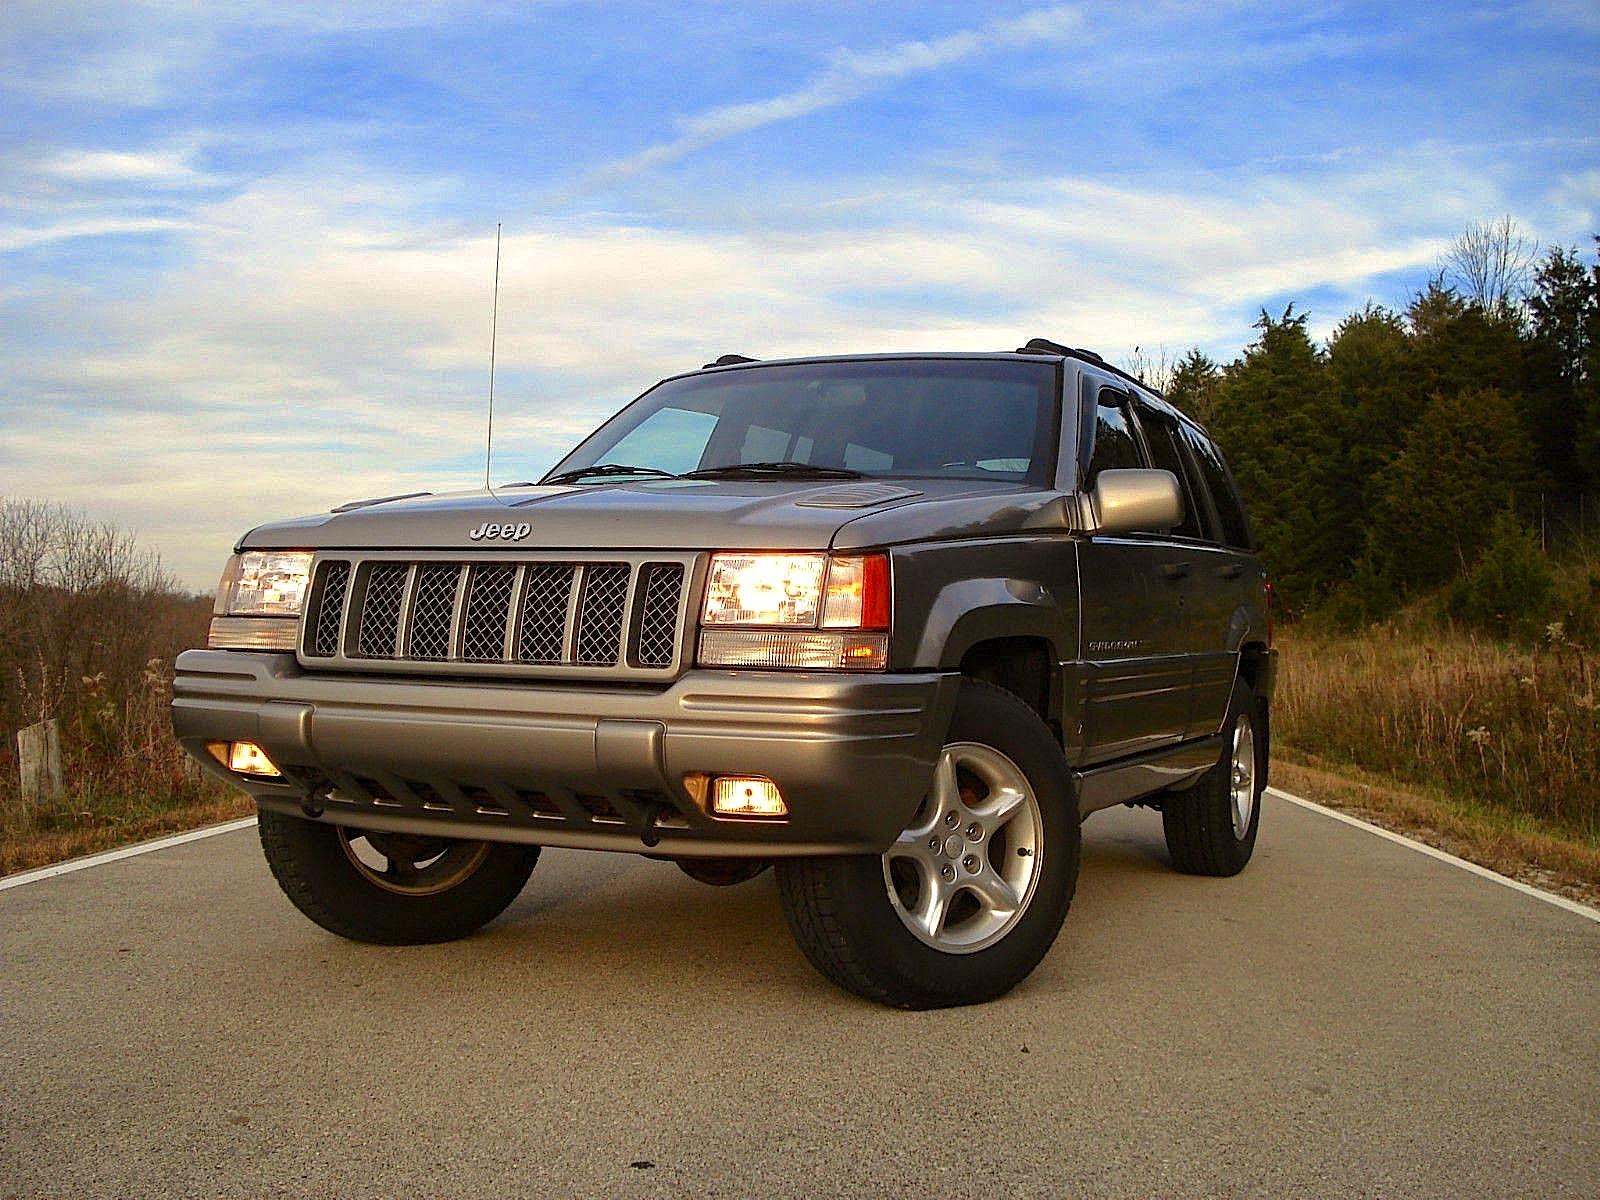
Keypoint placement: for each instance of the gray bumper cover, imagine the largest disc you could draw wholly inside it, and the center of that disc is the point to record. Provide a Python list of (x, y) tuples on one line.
[(852, 754)]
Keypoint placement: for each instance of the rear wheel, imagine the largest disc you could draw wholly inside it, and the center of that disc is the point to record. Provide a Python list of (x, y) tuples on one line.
[(972, 893), (393, 889), (1211, 827)]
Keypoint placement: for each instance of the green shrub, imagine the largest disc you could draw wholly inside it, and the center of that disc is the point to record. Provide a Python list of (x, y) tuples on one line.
[(1511, 590)]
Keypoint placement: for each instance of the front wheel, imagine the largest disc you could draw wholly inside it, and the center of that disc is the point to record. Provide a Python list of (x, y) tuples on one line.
[(390, 888), (970, 896)]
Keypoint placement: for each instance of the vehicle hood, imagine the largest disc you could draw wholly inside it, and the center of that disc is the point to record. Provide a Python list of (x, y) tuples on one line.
[(668, 515)]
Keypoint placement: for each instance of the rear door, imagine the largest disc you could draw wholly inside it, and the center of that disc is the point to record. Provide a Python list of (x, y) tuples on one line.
[(1134, 668), (1227, 580)]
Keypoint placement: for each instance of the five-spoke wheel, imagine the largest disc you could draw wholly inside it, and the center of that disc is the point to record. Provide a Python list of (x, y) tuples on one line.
[(970, 895), (962, 874)]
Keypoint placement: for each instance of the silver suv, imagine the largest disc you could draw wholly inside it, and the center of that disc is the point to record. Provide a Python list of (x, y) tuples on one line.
[(894, 623)]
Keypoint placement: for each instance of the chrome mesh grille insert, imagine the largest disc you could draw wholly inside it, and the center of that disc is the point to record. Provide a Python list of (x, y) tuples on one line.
[(488, 612), (435, 615), (658, 618), (335, 584), (380, 610), (433, 611), (605, 599), (542, 624)]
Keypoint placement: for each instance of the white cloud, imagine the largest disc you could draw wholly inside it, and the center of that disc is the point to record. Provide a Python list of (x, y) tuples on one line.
[(157, 168), (24, 237), (852, 75)]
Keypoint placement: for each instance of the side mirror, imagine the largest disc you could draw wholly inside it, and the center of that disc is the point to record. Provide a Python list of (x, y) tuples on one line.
[(1139, 501)]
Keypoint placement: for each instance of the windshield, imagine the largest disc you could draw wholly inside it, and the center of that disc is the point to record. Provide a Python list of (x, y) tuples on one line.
[(956, 418)]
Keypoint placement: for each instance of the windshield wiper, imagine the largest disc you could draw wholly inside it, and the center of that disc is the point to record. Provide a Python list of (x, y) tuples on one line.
[(784, 468), (607, 469)]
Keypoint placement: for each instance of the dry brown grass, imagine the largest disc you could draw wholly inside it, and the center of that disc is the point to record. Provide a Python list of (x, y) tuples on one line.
[(127, 779), (1509, 730), (89, 627), (96, 831)]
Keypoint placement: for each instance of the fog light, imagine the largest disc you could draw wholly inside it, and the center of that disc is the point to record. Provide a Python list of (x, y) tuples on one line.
[(747, 796), (247, 758)]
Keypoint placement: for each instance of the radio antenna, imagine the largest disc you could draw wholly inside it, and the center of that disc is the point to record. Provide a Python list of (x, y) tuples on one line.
[(494, 329)]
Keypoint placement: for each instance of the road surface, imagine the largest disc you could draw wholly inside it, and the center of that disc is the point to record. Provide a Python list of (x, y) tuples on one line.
[(1349, 1017)]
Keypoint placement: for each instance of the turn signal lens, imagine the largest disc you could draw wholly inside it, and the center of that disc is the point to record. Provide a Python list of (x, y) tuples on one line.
[(247, 758), (747, 796), (794, 650), (857, 595)]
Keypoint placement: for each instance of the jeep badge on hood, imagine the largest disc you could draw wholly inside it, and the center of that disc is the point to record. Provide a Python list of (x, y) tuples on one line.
[(508, 533)]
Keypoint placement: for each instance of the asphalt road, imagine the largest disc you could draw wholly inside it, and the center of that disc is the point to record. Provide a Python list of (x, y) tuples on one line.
[(1348, 1017)]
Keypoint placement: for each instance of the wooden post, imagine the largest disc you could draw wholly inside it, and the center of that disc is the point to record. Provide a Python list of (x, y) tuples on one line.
[(39, 758)]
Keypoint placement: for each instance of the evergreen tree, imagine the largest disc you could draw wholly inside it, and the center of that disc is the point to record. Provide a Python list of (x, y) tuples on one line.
[(1193, 385), (1465, 458), (1459, 345), (1276, 420), (1511, 589), (1369, 358), (1562, 311)]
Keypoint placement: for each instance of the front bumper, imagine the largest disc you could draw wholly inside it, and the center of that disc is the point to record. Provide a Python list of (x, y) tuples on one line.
[(585, 766)]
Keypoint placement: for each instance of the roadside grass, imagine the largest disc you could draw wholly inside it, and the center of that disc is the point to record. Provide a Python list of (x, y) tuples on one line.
[(1509, 730), (1485, 749), (62, 830)]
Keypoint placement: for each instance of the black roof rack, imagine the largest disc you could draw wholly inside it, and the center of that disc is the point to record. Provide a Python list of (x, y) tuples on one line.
[(1046, 346), (728, 360)]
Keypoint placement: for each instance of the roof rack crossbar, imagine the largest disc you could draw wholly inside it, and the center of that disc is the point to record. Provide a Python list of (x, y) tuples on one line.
[(1046, 346)]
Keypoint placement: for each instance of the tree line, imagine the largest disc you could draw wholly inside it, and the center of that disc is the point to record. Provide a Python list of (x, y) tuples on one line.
[(1384, 464)]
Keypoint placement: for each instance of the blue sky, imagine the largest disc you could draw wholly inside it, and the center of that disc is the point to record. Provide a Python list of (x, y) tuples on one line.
[(246, 249)]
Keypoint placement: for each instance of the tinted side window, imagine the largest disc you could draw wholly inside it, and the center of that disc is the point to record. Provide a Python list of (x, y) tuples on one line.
[(1114, 444), (1166, 455), (1235, 530)]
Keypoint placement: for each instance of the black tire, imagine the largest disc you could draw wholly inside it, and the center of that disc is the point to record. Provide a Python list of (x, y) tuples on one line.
[(1199, 822), (845, 922), (310, 861)]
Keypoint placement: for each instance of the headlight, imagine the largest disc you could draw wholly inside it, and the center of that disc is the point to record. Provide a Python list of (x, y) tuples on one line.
[(765, 589), (259, 600), (264, 583), (845, 600)]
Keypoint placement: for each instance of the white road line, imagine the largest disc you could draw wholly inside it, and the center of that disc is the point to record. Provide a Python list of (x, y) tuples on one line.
[(1583, 910), (95, 860)]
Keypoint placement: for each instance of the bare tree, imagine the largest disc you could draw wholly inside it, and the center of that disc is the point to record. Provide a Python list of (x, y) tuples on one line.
[(1492, 263), (1153, 368)]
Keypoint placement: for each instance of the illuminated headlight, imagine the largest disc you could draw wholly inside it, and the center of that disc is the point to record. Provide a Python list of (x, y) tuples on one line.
[(796, 611), (264, 583), (261, 594), (765, 589)]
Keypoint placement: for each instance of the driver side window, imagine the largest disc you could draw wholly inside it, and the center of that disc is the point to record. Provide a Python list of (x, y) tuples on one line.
[(1114, 444)]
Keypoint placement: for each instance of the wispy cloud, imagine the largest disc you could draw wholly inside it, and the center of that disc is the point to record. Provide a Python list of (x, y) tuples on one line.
[(159, 168), (21, 237), (852, 75)]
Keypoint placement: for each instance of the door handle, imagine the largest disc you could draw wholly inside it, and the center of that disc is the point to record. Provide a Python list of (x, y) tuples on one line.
[(1175, 570), (1231, 571)]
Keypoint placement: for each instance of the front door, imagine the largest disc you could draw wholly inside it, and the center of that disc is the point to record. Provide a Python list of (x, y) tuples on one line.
[(1134, 674)]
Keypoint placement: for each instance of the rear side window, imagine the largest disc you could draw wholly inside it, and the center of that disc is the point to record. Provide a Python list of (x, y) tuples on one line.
[(1166, 455), (1114, 444), (1230, 513)]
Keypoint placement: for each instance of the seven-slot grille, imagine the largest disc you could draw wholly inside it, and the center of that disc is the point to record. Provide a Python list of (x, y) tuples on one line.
[(593, 616)]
